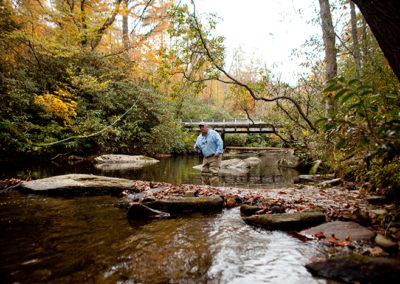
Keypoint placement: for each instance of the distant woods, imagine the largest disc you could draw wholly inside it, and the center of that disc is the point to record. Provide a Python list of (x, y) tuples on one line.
[(96, 76)]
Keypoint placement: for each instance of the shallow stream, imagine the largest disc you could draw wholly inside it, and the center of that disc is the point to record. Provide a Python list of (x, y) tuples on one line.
[(87, 239)]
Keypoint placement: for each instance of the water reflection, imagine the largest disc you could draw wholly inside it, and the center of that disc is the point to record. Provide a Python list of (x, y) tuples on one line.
[(210, 180), (176, 170)]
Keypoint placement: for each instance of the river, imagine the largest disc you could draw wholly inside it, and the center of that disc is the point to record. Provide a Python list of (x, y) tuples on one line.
[(87, 239)]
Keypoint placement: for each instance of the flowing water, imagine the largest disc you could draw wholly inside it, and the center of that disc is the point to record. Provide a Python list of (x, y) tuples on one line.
[(88, 240)]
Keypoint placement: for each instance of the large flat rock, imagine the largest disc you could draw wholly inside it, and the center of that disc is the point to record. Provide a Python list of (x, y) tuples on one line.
[(78, 185), (228, 171), (341, 230), (111, 162), (287, 221), (357, 269), (235, 166), (187, 204)]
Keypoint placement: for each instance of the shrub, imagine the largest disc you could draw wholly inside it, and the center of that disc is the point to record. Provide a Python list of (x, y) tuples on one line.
[(235, 140)]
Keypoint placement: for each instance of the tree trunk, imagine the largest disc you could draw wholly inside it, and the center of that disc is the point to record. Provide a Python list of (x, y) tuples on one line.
[(108, 22), (356, 46), (328, 34), (125, 27), (83, 23), (383, 18)]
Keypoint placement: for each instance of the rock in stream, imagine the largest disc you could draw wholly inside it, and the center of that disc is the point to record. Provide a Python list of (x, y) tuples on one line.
[(78, 185), (287, 221), (187, 204), (112, 162), (342, 230), (357, 268)]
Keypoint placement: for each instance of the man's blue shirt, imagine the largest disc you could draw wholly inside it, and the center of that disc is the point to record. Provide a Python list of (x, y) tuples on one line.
[(210, 144)]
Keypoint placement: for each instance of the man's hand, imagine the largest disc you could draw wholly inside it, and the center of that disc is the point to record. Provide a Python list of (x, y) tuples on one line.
[(197, 146), (216, 155)]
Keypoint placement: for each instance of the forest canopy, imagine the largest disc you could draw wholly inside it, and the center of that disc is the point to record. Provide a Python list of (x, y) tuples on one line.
[(96, 76)]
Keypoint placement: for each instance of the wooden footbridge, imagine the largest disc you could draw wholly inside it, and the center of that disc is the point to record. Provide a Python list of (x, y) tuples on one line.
[(235, 125)]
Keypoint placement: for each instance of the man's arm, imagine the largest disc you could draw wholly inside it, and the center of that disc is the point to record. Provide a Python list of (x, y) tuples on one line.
[(220, 144), (196, 146)]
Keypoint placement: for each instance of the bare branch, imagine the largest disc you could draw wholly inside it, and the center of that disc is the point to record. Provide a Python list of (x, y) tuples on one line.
[(250, 91), (289, 116), (344, 44), (141, 16), (109, 21)]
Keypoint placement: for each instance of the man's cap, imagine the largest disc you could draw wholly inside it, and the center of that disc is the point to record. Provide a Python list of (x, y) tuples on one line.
[(202, 124)]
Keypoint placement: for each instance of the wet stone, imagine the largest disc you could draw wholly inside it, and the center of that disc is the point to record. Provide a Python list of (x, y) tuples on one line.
[(78, 185), (352, 268), (231, 202), (139, 211), (376, 199), (277, 209), (187, 204), (332, 182), (249, 210), (193, 193), (341, 230), (310, 177), (383, 242), (287, 221), (113, 162)]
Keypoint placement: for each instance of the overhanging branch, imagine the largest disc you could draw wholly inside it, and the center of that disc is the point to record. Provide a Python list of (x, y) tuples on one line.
[(250, 91)]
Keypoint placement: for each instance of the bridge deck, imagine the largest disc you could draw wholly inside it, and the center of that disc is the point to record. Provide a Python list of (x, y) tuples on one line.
[(231, 125)]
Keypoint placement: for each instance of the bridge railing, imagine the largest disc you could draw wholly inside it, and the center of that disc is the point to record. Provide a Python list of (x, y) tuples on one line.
[(238, 125), (222, 121)]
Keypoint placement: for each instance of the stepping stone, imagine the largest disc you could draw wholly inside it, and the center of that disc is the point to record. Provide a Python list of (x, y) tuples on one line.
[(341, 230), (287, 221), (78, 185), (187, 204), (357, 268), (112, 162)]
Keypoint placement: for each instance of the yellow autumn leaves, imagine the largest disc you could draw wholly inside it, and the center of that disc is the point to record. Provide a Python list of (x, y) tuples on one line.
[(59, 104)]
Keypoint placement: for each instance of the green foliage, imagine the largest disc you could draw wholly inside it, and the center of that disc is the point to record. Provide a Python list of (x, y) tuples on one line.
[(263, 140), (235, 140), (386, 177), (364, 130), (102, 92), (363, 120), (252, 140), (54, 87)]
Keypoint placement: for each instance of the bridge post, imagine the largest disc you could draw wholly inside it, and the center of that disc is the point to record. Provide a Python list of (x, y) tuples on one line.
[(223, 138)]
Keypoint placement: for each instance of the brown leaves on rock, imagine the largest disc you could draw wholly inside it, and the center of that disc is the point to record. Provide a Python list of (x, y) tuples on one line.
[(333, 240), (320, 235), (9, 183), (338, 202)]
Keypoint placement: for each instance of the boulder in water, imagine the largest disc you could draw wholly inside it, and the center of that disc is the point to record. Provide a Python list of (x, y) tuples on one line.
[(383, 242), (342, 231), (249, 210), (234, 166), (357, 268), (287, 221), (112, 162), (252, 161), (78, 185), (187, 204)]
